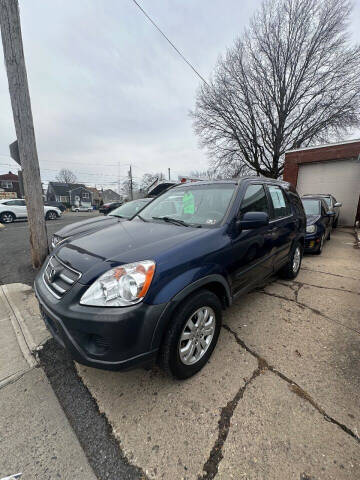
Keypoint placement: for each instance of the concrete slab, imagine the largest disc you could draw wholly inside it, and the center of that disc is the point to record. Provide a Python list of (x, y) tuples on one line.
[(275, 435), (168, 427), (35, 436), (22, 300), (321, 356), (12, 361)]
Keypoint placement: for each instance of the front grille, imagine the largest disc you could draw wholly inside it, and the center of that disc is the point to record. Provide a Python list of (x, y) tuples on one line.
[(59, 277)]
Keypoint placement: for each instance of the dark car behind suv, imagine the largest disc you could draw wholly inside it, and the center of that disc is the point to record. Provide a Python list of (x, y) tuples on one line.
[(108, 207), (153, 288)]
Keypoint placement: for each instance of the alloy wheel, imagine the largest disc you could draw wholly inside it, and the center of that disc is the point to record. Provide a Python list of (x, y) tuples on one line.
[(197, 335), (7, 218), (296, 259)]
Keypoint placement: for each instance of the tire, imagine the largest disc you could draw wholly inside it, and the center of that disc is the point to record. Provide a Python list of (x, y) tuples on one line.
[(7, 217), (321, 244), (170, 358), (51, 215), (292, 268)]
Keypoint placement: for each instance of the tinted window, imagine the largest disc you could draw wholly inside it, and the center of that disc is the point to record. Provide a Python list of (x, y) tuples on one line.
[(311, 207), (254, 200), (280, 203), (328, 201), (10, 202)]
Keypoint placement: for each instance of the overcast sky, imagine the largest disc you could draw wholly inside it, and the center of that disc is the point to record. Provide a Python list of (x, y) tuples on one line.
[(107, 88)]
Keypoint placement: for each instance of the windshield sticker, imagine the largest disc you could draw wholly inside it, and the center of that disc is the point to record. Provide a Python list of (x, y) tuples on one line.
[(189, 203)]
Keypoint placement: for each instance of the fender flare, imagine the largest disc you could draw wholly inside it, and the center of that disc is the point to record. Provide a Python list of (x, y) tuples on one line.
[(170, 308)]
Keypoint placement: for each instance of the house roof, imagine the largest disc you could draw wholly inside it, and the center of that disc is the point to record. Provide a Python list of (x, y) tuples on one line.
[(9, 176), (110, 196), (324, 145), (63, 189)]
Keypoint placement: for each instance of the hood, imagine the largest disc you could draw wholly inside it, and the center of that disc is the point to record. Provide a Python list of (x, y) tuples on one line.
[(311, 219), (123, 242), (87, 226)]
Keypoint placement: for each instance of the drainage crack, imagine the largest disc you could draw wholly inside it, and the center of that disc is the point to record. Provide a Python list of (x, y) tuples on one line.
[(294, 387), (328, 273), (211, 466), (314, 310), (317, 286)]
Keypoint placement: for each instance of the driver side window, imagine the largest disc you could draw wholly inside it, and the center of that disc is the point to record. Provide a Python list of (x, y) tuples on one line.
[(254, 200)]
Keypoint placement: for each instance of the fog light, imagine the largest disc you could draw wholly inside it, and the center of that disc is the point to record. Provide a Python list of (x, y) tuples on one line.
[(312, 243)]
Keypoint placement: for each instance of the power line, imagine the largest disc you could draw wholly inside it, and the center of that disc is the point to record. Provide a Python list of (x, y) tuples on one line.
[(171, 43)]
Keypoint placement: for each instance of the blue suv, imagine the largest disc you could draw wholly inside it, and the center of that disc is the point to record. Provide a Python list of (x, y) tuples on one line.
[(153, 288)]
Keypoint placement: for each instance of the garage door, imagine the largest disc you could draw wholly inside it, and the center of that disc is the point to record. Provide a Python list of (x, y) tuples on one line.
[(341, 178)]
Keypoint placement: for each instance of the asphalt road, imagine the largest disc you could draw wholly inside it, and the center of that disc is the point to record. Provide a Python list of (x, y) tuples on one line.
[(15, 261)]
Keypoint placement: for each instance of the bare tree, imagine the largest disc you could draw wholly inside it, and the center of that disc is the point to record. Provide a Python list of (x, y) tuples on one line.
[(291, 80), (66, 176), (149, 178)]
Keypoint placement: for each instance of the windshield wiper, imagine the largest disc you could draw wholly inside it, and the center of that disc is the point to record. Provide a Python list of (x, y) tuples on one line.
[(175, 221), (141, 218)]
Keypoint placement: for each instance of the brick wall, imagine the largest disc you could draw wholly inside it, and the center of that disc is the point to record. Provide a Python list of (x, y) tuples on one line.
[(331, 152)]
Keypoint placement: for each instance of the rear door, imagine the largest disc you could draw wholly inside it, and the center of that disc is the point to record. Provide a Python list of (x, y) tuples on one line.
[(282, 224), (252, 249), (21, 207)]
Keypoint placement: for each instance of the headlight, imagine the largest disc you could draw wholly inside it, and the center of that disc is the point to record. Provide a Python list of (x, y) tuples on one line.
[(311, 229), (121, 286)]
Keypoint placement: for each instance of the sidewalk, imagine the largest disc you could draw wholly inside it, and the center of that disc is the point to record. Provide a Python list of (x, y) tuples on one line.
[(35, 435)]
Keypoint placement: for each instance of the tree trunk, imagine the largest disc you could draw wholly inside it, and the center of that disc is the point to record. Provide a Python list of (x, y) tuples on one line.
[(21, 106)]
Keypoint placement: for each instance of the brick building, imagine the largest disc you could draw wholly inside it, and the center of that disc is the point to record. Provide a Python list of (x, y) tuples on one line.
[(332, 168), (10, 183)]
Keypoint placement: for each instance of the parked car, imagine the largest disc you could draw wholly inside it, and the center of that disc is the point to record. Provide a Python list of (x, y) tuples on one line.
[(332, 204), (126, 211), (318, 223), (14, 209), (153, 288), (58, 205), (108, 207), (82, 208)]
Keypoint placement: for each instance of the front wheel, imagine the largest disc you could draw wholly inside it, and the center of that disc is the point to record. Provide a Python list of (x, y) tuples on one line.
[(51, 215), (192, 336), (7, 217), (291, 269), (321, 244)]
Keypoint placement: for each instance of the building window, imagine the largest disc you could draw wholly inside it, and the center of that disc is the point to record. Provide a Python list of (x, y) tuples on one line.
[(64, 199), (86, 195), (6, 184)]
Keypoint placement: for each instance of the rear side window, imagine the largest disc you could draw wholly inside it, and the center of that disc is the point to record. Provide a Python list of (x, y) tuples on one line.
[(280, 203), (254, 200)]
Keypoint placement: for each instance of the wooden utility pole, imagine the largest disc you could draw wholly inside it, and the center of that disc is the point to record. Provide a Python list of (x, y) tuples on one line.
[(21, 106)]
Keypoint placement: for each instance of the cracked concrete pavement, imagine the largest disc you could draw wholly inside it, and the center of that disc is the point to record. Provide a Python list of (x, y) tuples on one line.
[(278, 400)]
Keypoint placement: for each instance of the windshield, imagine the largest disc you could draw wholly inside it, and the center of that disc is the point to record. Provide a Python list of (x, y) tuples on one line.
[(196, 205), (311, 207), (129, 209)]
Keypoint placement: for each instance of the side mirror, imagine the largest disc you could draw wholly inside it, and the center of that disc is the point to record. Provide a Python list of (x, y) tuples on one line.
[(338, 204), (252, 220), (330, 214)]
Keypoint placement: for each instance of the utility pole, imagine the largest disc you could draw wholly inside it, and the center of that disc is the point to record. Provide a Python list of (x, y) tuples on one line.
[(24, 127), (169, 172), (119, 187), (131, 183)]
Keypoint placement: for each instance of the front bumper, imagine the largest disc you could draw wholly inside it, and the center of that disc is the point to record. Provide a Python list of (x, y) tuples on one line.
[(312, 241), (108, 338)]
